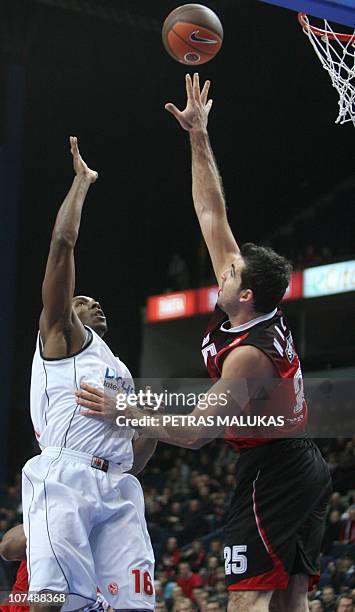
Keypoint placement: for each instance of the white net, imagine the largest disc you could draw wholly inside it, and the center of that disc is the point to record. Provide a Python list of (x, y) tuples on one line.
[(338, 58)]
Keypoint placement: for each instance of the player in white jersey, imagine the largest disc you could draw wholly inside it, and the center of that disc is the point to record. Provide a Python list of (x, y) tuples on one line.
[(83, 511)]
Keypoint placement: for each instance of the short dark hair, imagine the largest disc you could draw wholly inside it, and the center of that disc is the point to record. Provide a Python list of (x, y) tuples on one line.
[(266, 273)]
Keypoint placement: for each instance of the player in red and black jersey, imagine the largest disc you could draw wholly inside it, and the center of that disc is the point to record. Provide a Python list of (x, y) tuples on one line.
[(275, 523), (276, 518), (270, 334)]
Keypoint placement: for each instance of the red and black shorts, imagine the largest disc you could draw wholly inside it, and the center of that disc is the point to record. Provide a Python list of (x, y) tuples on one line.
[(276, 520)]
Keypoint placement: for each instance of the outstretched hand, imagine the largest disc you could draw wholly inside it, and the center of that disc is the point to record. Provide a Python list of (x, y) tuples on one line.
[(195, 115), (80, 167), (95, 403)]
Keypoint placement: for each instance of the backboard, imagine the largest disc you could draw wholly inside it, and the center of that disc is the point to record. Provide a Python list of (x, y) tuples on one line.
[(339, 11)]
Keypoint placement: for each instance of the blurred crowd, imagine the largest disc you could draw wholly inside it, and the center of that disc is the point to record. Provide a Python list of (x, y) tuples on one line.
[(182, 275), (187, 495)]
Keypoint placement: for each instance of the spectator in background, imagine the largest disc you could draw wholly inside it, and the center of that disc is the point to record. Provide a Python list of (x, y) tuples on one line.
[(183, 605), (216, 548), (335, 502), (347, 532), (219, 509), (172, 519), (204, 494), (212, 565), (201, 600), (328, 598), (196, 524), (316, 606), (169, 591), (345, 604), (346, 575), (213, 606), (332, 531), (221, 594), (187, 579), (171, 555), (195, 555), (165, 496), (200, 597), (176, 595), (333, 462), (160, 606)]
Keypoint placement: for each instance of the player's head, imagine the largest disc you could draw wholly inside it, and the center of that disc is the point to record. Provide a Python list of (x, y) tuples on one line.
[(90, 313), (255, 282)]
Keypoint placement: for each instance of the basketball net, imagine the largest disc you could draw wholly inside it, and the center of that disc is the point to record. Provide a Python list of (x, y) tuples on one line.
[(336, 53)]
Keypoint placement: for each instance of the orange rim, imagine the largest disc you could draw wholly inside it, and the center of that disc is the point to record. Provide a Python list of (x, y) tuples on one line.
[(321, 33)]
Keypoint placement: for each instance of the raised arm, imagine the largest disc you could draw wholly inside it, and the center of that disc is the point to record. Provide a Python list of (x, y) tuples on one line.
[(207, 189), (61, 331)]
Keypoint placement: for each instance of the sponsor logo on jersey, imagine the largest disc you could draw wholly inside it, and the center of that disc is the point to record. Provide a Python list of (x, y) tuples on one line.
[(113, 588), (115, 382), (194, 37)]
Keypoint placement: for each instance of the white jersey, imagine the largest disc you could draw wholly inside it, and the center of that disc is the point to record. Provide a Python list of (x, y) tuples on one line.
[(56, 415)]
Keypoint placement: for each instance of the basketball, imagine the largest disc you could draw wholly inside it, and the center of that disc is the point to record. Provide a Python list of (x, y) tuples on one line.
[(192, 34)]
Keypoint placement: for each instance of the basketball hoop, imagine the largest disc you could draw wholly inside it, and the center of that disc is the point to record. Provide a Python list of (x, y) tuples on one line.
[(336, 52)]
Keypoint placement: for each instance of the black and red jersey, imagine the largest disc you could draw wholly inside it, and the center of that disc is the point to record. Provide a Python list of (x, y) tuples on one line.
[(270, 334)]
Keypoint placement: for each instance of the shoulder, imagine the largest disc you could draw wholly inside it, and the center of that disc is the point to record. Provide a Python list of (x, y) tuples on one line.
[(247, 361)]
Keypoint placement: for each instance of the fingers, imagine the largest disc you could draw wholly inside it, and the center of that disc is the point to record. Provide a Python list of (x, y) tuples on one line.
[(84, 396), (74, 145), (90, 388), (196, 87), (204, 92), (189, 89), (194, 90), (90, 397), (97, 408), (91, 413), (209, 106), (171, 108)]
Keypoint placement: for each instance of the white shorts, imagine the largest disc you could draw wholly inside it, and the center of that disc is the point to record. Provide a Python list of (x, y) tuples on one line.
[(86, 528)]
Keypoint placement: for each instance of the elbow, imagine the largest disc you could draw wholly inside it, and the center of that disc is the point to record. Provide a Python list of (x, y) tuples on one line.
[(196, 443), (63, 240), (6, 551)]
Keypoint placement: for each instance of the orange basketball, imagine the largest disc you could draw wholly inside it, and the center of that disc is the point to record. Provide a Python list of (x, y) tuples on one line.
[(192, 34)]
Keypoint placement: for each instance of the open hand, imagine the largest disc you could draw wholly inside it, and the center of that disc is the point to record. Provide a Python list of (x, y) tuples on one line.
[(195, 115), (95, 403), (80, 167)]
